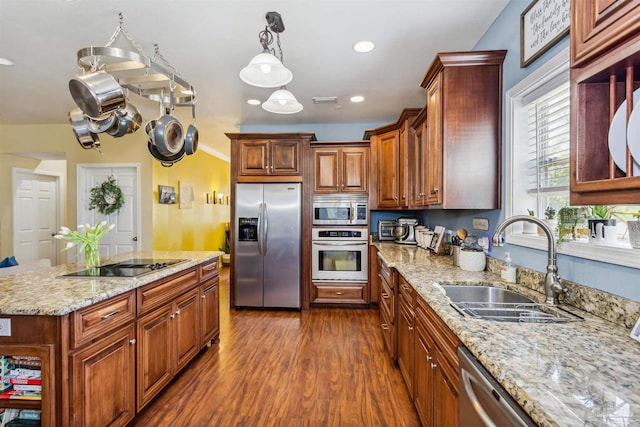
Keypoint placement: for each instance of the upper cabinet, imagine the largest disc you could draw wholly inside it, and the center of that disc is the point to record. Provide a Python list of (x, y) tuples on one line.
[(390, 184), (605, 126), (598, 25), (268, 157), (419, 160), (341, 168), (463, 131)]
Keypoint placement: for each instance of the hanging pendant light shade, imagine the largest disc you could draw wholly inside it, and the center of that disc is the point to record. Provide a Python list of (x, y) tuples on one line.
[(282, 102), (266, 70)]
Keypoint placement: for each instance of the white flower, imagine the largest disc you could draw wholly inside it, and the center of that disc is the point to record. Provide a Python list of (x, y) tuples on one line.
[(70, 245), (80, 226), (112, 226), (64, 230), (103, 223)]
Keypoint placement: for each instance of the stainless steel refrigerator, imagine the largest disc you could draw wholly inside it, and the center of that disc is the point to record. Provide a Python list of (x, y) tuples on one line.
[(267, 245)]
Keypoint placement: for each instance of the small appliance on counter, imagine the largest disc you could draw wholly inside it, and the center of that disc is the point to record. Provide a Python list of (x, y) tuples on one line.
[(385, 230), (405, 231)]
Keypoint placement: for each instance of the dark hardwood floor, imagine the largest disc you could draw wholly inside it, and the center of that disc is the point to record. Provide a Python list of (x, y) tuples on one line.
[(319, 367)]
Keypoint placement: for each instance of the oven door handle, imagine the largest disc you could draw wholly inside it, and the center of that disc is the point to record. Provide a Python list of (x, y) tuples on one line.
[(339, 244), (354, 209)]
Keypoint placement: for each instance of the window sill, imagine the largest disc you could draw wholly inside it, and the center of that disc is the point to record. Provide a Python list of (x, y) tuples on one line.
[(619, 254)]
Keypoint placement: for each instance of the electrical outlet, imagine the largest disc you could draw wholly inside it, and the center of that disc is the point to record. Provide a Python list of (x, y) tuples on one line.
[(5, 327), (481, 224)]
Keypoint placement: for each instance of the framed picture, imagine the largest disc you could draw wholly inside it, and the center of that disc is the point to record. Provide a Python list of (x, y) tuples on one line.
[(542, 24), (167, 195), (635, 332)]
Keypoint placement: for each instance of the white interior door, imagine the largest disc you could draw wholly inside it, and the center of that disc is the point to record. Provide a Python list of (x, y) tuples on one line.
[(125, 236), (36, 215)]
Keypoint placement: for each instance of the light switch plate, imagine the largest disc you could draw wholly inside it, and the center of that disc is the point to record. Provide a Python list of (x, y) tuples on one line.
[(481, 224), (5, 327)]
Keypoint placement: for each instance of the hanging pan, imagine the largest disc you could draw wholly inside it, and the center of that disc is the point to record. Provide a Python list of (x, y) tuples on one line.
[(168, 135), (127, 120), (97, 94), (86, 138), (166, 161), (191, 138)]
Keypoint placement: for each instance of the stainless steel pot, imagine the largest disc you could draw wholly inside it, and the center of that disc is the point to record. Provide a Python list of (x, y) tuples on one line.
[(101, 125), (128, 120), (86, 138), (168, 135), (166, 161), (191, 138), (97, 94)]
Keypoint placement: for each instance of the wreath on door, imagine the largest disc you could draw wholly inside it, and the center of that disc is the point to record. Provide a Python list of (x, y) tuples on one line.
[(106, 197)]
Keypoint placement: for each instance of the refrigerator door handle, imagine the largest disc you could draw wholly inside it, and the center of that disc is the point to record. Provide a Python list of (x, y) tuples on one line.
[(260, 229), (266, 228)]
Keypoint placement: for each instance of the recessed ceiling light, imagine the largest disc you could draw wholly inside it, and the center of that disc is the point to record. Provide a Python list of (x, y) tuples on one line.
[(5, 61), (364, 46), (254, 102), (357, 98)]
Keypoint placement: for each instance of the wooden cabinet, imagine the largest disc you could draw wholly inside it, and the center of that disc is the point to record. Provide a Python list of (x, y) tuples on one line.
[(463, 128), (374, 280), (597, 25), (605, 55), (420, 159), (210, 311), (436, 369), (168, 338), (268, 157), (406, 334), (102, 359), (387, 306), (103, 380), (340, 293), (391, 182), (340, 169)]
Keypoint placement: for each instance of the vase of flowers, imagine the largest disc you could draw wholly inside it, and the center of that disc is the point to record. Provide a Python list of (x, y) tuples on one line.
[(88, 237)]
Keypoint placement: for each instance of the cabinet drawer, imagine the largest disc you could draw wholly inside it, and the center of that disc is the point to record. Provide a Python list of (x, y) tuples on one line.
[(330, 293), (91, 322), (164, 290), (387, 298), (388, 332), (386, 273), (406, 291), (208, 270)]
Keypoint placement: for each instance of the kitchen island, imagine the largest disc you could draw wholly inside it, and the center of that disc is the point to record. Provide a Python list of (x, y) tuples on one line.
[(562, 374), (108, 345)]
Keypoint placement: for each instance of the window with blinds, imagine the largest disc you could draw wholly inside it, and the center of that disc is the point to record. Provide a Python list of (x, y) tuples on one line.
[(548, 134)]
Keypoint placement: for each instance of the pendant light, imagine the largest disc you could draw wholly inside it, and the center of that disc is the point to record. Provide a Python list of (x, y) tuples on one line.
[(282, 102), (265, 69)]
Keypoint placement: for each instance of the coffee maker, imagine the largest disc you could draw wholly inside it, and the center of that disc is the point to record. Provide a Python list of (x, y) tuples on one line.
[(405, 231)]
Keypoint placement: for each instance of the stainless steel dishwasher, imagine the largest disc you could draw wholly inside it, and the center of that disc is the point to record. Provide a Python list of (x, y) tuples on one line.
[(483, 402)]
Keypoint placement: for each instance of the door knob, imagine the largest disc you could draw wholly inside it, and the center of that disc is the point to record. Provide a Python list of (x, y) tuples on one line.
[(135, 238)]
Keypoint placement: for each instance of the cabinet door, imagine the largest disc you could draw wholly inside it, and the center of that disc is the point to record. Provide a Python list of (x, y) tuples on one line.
[(405, 341), (434, 141), (388, 164), (420, 167), (254, 157), (598, 25), (423, 391), (102, 381), (325, 170), (210, 311), (186, 328), (445, 397), (155, 353), (285, 158), (354, 170)]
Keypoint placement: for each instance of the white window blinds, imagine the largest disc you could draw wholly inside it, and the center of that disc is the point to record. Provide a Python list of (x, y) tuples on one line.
[(548, 142)]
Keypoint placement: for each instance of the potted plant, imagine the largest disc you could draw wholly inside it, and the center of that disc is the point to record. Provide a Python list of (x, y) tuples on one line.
[(569, 220), (633, 225), (530, 227), (602, 227), (550, 218)]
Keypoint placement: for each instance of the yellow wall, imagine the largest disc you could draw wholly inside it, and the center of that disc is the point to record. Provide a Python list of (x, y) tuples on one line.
[(201, 227), (203, 170)]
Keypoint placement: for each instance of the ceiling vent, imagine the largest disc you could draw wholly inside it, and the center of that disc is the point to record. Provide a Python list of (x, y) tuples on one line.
[(325, 99)]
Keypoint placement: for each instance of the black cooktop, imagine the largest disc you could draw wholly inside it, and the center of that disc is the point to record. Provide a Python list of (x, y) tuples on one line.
[(128, 268)]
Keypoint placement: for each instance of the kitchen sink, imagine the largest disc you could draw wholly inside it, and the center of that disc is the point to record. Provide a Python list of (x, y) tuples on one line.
[(489, 294), (489, 303)]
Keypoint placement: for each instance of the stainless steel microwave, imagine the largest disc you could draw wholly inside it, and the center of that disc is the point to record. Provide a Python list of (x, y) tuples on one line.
[(340, 210)]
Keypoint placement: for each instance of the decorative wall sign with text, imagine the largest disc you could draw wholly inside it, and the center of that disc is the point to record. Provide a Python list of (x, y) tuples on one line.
[(542, 24)]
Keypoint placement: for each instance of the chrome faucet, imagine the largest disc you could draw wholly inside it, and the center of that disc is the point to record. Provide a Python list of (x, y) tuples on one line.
[(553, 286)]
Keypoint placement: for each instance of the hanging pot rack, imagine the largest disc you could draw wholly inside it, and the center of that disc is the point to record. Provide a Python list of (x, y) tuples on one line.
[(151, 77)]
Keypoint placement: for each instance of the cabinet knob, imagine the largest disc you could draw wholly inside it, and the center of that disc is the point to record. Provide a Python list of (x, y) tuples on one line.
[(132, 342), (435, 190), (339, 293), (203, 296), (385, 326), (385, 296), (173, 316), (429, 357), (411, 328), (434, 366), (178, 313), (421, 194)]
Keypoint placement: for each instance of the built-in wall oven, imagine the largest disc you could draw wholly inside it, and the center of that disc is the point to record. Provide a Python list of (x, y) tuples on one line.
[(340, 210), (339, 254)]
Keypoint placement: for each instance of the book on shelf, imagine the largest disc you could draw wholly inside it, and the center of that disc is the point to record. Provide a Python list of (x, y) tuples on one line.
[(23, 379), (25, 361), (8, 415), (21, 422), (22, 372), (21, 395), (27, 387)]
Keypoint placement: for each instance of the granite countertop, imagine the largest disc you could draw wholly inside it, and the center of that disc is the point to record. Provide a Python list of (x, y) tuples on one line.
[(583, 373), (44, 292)]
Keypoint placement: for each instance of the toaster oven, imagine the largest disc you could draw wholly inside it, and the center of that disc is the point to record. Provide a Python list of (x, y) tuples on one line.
[(385, 230)]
